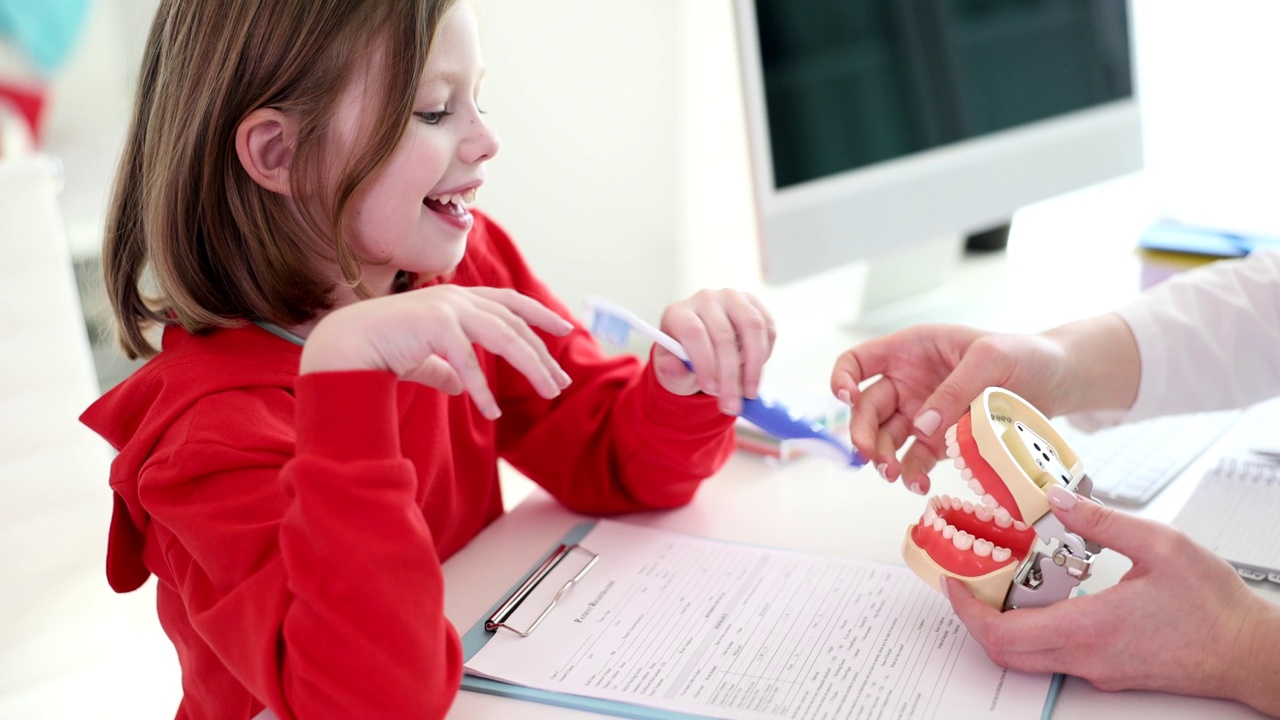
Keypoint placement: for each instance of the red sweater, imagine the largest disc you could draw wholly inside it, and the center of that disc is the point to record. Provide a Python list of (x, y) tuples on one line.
[(296, 526)]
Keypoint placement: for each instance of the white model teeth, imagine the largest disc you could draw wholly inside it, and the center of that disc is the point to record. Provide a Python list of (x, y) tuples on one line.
[(1003, 518), (989, 510), (964, 540), (983, 548)]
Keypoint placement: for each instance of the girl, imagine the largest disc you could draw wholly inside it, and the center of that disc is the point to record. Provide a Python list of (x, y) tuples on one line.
[(294, 195)]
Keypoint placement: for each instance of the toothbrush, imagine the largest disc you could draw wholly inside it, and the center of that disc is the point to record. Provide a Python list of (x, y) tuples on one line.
[(613, 323)]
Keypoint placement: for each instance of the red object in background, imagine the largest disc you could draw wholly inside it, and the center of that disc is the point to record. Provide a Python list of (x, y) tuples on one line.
[(29, 102)]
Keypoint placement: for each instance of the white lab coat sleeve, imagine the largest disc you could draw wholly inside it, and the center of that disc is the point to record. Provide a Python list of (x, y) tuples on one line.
[(1208, 339)]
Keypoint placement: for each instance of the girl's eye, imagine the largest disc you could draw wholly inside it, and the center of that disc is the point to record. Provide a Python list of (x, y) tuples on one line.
[(432, 118)]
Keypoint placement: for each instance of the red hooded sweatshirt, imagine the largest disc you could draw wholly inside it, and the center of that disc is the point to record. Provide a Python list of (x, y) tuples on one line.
[(296, 526)]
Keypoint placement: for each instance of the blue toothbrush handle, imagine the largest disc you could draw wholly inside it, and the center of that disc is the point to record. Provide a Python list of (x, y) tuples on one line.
[(774, 418)]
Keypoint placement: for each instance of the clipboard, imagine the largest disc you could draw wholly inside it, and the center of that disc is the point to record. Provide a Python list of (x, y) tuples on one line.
[(568, 549), (484, 628)]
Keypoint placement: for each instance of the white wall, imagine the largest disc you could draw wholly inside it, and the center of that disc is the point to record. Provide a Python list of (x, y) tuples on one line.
[(624, 168)]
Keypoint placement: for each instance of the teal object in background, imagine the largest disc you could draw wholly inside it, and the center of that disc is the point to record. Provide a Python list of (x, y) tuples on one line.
[(45, 31)]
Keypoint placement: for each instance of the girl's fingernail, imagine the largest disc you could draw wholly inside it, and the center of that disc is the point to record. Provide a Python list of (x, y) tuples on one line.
[(843, 395), (1061, 498), (927, 422), (883, 469)]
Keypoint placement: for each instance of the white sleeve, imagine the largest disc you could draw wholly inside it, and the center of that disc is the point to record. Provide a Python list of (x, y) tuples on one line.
[(1208, 339)]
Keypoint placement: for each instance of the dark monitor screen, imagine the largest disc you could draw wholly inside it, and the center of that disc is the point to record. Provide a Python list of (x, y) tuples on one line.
[(849, 83)]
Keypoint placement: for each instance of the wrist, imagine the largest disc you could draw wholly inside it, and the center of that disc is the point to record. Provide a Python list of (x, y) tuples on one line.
[(1100, 365), (1257, 665)]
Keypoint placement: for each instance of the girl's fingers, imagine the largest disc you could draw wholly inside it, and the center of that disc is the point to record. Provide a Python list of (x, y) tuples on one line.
[(527, 309), (757, 334), (723, 335), (498, 330), (435, 372), (457, 351)]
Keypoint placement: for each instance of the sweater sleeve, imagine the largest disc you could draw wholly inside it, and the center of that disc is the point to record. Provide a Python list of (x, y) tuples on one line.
[(615, 440), (1208, 339), (313, 577)]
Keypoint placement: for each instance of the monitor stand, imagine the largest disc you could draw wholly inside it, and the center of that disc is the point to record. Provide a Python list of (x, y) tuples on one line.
[(989, 240), (909, 281)]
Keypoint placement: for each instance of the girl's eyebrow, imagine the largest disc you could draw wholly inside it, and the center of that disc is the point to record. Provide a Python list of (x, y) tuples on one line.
[(452, 76)]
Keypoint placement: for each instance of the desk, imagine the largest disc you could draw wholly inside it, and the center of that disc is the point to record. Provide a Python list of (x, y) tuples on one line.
[(807, 505), (813, 506)]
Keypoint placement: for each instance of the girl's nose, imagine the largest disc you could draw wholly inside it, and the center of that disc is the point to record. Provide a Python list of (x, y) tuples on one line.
[(481, 144)]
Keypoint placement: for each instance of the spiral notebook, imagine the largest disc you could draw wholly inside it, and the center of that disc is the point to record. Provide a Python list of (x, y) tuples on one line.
[(1233, 513)]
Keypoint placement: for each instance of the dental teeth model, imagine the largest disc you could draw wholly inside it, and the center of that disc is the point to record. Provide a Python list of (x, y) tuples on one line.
[(1008, 548)]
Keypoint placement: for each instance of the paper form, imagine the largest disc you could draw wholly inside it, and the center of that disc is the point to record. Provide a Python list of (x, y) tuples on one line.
[(720, 629)]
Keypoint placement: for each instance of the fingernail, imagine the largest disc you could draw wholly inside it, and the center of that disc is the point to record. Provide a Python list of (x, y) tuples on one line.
[(883, 469), (843, 395), (565, 380), (942, 585), (927, 422), (915, 488), (1061, 498)]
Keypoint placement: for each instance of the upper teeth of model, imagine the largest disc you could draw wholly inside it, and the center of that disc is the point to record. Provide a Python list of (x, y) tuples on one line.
[(461, 198)]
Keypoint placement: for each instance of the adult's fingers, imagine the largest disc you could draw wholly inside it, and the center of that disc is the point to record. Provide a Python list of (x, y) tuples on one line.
[(1127, 534), (976, 371), (876, 405)]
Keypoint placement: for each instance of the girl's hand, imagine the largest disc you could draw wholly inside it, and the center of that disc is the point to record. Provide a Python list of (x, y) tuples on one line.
[(923, 379), (427, 335), (728, 335)]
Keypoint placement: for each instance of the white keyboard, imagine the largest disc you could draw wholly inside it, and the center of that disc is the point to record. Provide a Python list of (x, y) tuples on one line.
[(1130, 463)]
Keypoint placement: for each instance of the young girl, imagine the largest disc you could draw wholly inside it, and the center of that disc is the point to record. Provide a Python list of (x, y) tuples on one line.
[(293, 198)]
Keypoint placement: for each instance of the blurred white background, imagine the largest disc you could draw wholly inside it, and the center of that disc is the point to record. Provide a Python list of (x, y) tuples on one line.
[(623, 172)]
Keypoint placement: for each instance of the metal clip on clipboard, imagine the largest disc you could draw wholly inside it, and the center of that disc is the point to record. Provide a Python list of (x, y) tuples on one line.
[(499, 618)]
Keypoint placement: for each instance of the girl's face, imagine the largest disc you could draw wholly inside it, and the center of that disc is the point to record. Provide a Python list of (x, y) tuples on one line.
[(413, 211)]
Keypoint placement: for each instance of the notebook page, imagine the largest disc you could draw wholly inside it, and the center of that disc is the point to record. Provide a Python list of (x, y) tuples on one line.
[(1234, 513), (719, 629)]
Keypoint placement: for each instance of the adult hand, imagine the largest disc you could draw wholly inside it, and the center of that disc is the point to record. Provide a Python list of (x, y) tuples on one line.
[(1180, 620), (728, 335), (921, 380), (427, 336)]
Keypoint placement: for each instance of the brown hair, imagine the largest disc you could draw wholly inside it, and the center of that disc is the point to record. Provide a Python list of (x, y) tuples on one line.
[(216, 248)]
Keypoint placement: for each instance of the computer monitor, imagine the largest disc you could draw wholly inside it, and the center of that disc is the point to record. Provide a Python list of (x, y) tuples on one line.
[(883, 130)]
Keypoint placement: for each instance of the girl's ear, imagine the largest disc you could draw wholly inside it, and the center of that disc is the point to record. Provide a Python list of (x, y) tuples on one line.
[(264, 144)]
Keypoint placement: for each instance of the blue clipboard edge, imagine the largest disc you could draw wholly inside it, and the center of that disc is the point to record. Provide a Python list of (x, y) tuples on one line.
[(477, 637)]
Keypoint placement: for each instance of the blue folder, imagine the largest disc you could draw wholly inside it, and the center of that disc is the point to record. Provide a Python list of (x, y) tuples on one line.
[(1173, 236)]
